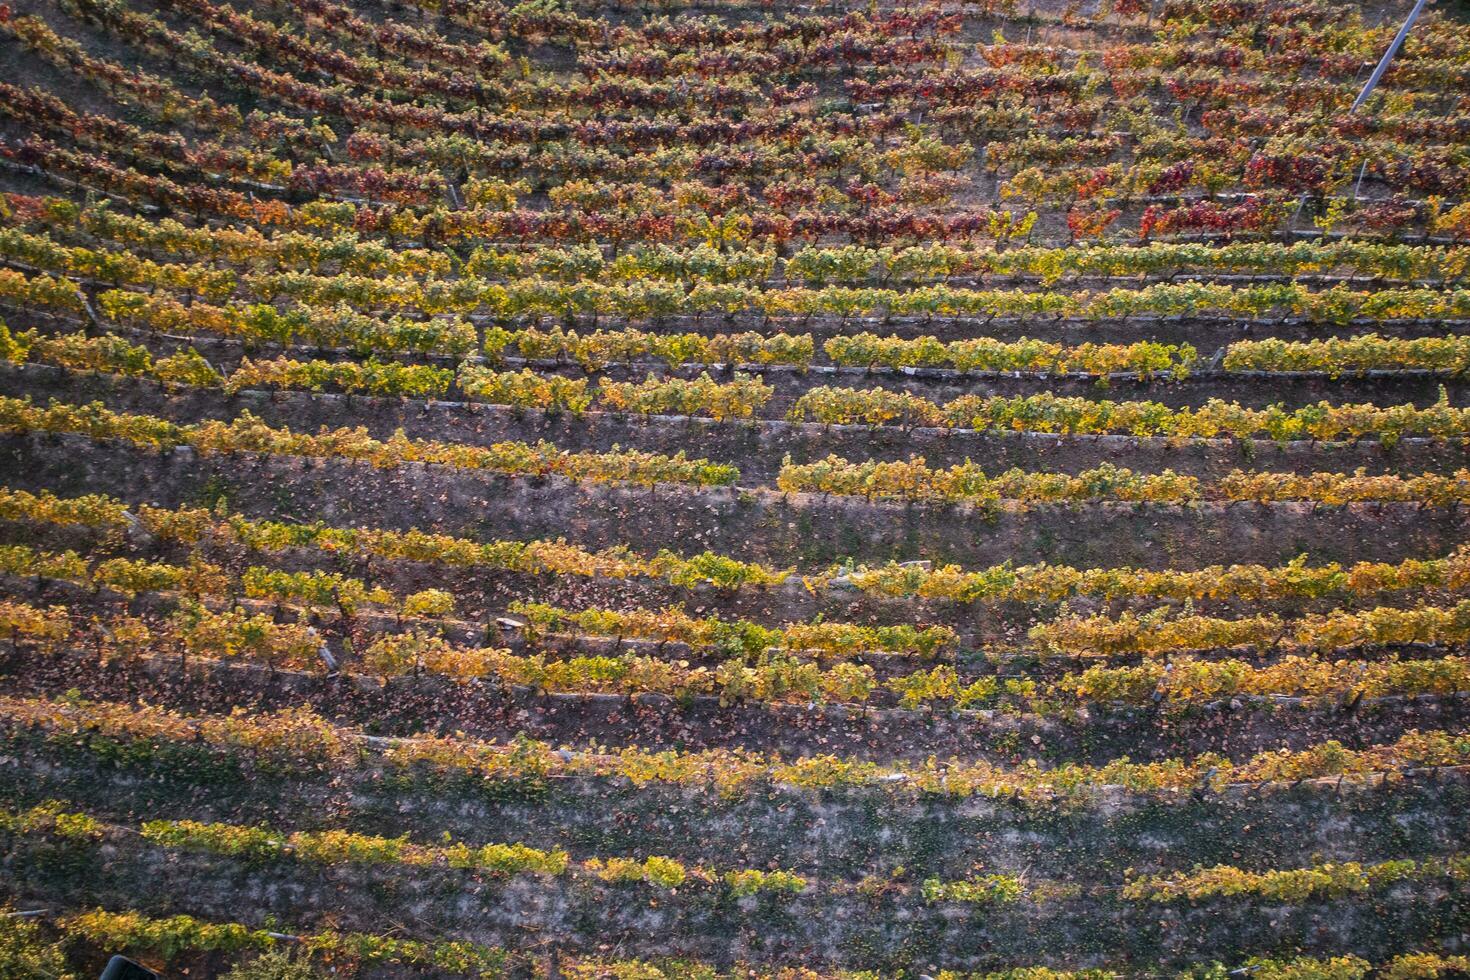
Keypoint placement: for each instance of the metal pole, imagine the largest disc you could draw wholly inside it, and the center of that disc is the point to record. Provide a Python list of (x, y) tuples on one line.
[(1393, 49)]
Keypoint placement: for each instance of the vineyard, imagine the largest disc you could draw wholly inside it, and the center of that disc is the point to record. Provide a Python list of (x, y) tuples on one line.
[(734, 490)]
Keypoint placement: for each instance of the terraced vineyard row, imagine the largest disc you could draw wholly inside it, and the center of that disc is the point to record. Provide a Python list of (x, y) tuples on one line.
[(711, 489)]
